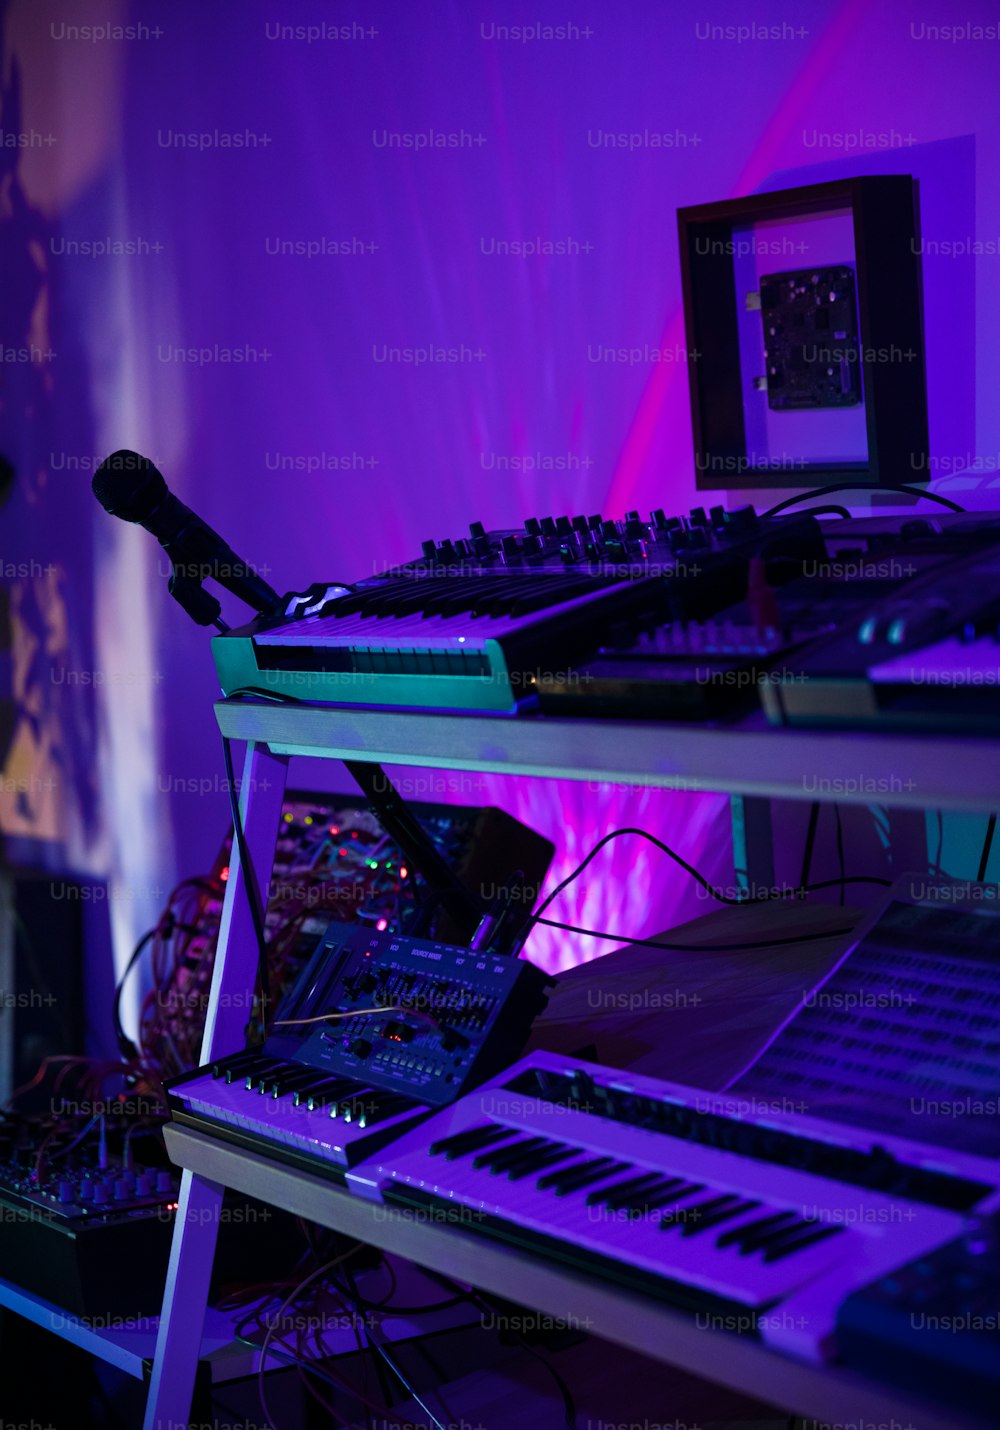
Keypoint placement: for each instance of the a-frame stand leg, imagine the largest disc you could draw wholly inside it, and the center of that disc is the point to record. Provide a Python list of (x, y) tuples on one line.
[(230, 1003)]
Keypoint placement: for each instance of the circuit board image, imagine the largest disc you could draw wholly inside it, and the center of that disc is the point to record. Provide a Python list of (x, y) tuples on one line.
[(810, 339)]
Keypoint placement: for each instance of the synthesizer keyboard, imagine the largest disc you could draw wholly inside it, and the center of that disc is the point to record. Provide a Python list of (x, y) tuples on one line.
[(923, 656), (933, 1326), (292, 1112), (696, 669), (445, 640), (902, 1036), (476, 623), (763, 1221), (378, 1029)]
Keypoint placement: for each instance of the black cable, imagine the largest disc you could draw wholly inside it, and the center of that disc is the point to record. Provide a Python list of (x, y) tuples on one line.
[(984, 858), (840, 851), (249, 883), (358, 1333), (697, 947), (699, 878), (807, 853), (280, 1352), (830, 508), (473, 1296), (437, 1369), (940, 844), (126, 1046), (665, 848), (861, 487), (275, 697), (569, 1403), (354, 1299)]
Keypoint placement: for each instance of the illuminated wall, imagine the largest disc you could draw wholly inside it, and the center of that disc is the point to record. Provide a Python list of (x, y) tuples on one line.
[(356, 274)]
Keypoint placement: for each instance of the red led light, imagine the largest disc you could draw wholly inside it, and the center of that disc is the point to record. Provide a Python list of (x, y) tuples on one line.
[(341, 852), (382, 925), (403, 872), (334, 829), (354, 834), (224, 875)]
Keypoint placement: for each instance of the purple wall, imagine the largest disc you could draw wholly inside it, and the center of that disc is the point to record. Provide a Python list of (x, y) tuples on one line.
[(319, 456)]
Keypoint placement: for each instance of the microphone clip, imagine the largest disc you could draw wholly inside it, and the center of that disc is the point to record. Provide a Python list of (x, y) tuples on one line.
[(203, 608)]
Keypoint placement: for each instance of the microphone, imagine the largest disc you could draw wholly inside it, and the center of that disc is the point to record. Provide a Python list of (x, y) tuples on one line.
[(130, 487)]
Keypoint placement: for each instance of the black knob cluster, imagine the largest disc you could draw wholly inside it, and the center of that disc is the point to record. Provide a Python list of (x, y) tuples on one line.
[(592, 539), (364, 983), (451, 553)]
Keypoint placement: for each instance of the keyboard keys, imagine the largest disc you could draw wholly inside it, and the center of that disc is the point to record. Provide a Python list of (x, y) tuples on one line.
[(580, 1175), (357, 1107), (755, 1234), (664, 1199), (258, 1078), (798, 1240), (705, 1216), (538, 1161), (236, 1071), (498, 1161), (287, 1081), (328, 1093), (320, 1084), (384, 1106), (475, 1138), (609, 1195), (231, 1064)]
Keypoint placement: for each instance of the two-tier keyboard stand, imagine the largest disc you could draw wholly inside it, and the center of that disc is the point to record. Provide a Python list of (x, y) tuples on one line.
[(750, 762)]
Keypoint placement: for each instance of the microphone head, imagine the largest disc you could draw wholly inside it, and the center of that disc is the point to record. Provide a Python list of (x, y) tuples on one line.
[(128, 486)]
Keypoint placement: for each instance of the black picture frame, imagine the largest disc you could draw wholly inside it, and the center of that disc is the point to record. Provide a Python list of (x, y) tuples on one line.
[(885, 213)]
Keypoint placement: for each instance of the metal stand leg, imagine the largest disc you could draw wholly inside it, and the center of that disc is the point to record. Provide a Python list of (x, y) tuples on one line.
[(908, 851), (753, 843), (8, 980), (197, 1225)]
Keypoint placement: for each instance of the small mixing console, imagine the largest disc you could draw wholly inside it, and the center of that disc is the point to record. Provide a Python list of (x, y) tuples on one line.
[(84, 1228)]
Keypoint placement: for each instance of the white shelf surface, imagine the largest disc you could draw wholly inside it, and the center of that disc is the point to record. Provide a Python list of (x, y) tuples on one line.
[(129, 1342), (915, 771)]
